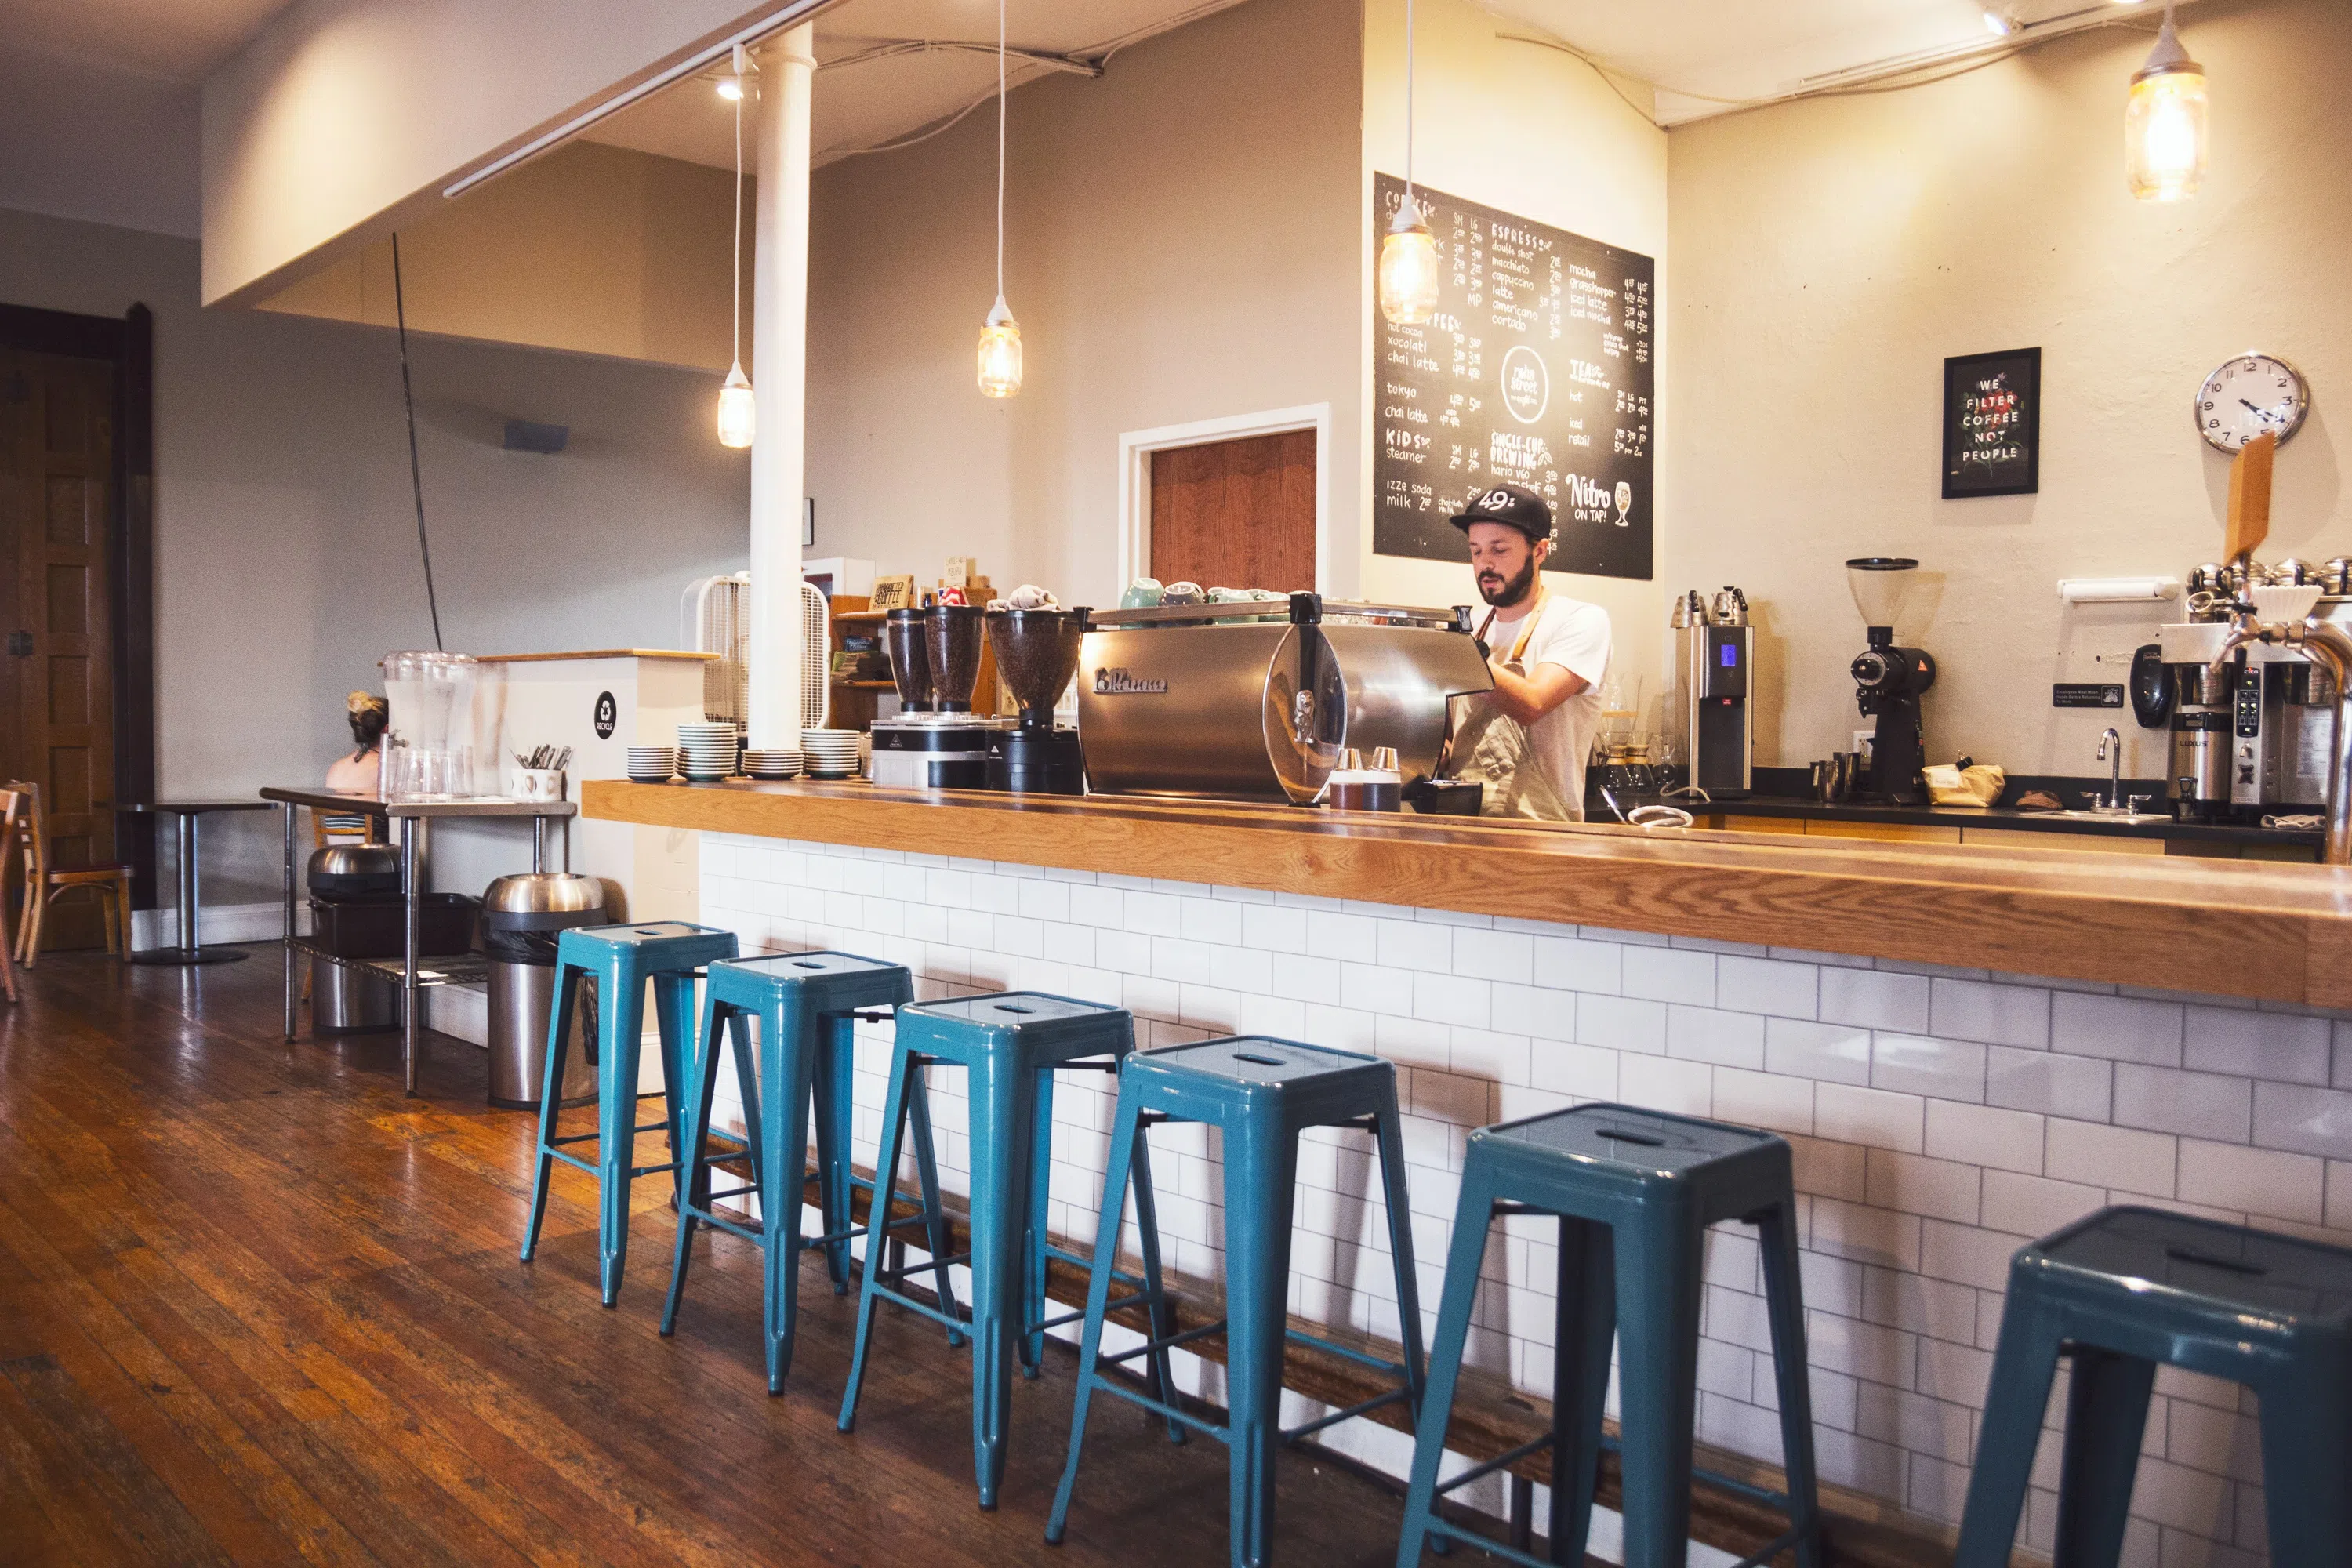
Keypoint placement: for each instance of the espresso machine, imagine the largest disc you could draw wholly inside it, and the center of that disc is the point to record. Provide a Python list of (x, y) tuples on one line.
[(935, 741), (1708, 717), (1889, 680), (1036, 654)]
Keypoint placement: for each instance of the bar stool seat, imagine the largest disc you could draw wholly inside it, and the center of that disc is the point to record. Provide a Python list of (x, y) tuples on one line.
[(1011, 1043), (2124, 1290), (1261, 1093), (1635, 1192), (622, 958), (807, 1004)]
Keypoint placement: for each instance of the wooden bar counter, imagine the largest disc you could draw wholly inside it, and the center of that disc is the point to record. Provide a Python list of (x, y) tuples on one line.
[(2265, 931)]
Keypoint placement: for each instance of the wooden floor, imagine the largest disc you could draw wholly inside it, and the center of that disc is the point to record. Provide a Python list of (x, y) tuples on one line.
[(256, 1307)]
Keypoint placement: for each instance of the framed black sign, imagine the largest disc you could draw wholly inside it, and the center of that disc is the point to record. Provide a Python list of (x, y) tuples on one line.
[(1992, 423)]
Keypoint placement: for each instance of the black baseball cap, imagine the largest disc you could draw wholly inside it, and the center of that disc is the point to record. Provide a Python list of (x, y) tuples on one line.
[(1514, 506)]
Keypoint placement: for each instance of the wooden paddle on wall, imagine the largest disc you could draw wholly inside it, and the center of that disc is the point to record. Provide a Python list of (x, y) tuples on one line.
[(2249, 498)]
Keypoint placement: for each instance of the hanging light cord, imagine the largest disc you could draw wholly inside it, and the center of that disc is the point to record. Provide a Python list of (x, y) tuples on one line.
[(738, 354), (1000, 150), (1408, 100), (415, 474)]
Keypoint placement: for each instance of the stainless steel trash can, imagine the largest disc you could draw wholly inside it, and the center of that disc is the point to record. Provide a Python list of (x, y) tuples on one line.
[(346, 1000), (523, 916)]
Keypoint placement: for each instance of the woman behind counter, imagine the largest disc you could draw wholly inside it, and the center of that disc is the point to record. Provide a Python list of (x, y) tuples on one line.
[(361, 771)]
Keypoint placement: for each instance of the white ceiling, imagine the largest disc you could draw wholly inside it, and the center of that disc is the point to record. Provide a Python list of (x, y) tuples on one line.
[(178, 41)]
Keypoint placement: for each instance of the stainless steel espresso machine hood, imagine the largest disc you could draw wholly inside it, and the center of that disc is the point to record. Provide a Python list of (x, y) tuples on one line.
[(1197, 699)]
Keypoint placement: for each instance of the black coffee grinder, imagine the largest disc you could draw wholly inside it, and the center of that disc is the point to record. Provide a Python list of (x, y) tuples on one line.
[(1889, 680), (1037, 655)]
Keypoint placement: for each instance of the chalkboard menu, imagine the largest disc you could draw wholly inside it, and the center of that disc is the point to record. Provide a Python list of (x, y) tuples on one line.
[(1537, 368), (1992, 423)]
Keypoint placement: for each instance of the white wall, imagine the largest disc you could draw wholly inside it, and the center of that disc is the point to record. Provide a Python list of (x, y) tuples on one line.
[(285, 546), (1533, 132), (1827, 255), (82, 139), (1182, 245)]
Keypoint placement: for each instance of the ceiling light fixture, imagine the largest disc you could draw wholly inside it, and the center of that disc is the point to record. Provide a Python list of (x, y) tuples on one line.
[(2165, 122), (1999, 23), (737, 414), (1408, 272), (999, 339)]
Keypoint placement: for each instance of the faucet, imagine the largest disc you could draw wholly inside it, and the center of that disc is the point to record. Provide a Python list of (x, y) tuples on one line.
[(2111, 752), (2326, 645)]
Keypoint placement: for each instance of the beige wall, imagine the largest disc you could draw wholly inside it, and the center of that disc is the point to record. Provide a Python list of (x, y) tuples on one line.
[(341, 120), (1182, 245), (591, 248), (284, 547), (1533, 132), (1827, 255)]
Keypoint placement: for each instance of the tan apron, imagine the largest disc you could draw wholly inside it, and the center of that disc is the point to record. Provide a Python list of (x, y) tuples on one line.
[(1491, 747)]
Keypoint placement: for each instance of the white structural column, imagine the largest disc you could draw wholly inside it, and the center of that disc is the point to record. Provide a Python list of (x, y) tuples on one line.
[(779, 381)]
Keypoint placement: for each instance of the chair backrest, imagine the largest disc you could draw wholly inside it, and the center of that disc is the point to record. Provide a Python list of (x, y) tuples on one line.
[(24, 820)]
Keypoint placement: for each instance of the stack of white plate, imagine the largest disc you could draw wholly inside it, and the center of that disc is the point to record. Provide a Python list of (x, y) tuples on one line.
[(709, 749), (830, 753), (777, 763), (652, 764)]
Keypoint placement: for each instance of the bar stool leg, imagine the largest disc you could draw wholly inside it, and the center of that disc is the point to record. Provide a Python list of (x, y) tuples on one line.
[(1000, 1163), (833, 1076), (674, 1029), (1159, 1312), (1399, 1204), (936, 1235), (2023, 1365), (2306, 1430), (701, 1082), (559, 1030), (1472, 1212), (789, 1072), (1036, 1224), (877, 1235), (1584, 1328), (1658, 1268), (1784, 1302), (2106, 1411), (1261, 1171), (616, 1119), (1125, 1143)]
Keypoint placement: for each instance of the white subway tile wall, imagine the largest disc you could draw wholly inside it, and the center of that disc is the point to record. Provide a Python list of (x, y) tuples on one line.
[(1940, 1117)]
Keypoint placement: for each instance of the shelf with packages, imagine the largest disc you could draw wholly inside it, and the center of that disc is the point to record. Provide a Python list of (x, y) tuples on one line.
[(856, 704)]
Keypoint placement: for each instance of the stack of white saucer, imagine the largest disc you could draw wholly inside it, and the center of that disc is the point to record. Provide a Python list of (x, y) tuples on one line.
[(652, 764), (770, 763), (830, 753), (710, 748)]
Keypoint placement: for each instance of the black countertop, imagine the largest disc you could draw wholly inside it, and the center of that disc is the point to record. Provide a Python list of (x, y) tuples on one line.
[(2008, 818)]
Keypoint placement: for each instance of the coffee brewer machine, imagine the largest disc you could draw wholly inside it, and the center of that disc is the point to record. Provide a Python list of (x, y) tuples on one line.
[(1036, 654), (935, 741), (1888, 680), (1708, 717)]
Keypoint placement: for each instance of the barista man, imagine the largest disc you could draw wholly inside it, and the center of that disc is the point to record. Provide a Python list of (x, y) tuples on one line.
[(1526, 741)]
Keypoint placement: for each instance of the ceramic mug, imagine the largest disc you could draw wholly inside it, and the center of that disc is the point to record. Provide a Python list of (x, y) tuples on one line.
[(537, 785)]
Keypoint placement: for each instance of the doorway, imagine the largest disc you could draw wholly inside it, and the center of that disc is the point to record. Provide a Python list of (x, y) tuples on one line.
[(1238, 502), (73, 439)]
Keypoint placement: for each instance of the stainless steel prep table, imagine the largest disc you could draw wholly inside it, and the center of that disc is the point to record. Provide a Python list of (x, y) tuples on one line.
[(408, 817)]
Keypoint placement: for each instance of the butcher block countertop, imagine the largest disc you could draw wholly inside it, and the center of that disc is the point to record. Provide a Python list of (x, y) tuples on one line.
[(2276, 932)]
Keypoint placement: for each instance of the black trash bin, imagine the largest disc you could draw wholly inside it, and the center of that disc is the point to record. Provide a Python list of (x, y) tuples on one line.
[(523, 916)]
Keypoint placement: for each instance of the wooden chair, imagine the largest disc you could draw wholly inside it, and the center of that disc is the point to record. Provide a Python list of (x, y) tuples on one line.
[(14, 804), (45, 884)]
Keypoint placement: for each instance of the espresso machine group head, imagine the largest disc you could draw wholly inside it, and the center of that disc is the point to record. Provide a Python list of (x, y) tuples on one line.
[(1888, 680)]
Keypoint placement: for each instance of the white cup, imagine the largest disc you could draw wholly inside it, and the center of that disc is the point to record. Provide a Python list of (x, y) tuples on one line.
[(537, 785)]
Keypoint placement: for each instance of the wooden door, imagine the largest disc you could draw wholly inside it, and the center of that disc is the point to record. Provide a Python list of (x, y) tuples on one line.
[(1237, 514), (57, 466)]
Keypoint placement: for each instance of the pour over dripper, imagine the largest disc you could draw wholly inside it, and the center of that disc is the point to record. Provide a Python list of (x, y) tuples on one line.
[(1882, 585)]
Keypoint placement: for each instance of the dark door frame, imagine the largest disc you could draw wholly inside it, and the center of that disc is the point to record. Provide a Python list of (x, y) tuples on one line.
[(128, 343)]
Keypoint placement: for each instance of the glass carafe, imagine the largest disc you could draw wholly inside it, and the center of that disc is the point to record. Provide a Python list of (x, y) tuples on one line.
[(428, 746)]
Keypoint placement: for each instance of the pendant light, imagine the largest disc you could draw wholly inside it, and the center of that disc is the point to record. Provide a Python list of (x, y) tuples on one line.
[(999, 339), (2164, 122), (737, 414), (1408, 274)]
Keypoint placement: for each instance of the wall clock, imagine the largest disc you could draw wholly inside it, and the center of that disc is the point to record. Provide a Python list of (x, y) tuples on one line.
[(2250, 394)]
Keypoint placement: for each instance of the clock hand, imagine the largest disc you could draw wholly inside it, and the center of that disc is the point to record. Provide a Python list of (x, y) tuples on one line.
[(2260, 413)]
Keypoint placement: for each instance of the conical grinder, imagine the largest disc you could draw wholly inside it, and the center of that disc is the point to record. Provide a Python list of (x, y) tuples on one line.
[(1037, 655)]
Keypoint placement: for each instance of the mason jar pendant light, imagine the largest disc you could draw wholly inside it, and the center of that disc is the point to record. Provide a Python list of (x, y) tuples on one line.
[(1407, 279), (1000, 340), (737, 414), (2165, 122)]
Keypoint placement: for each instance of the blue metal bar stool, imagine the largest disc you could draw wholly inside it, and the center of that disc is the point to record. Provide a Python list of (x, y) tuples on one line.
[(1261, 1093), (1635, 1192), (807, 1004), (622, 958), (2124, 1290), (1011, 1043)]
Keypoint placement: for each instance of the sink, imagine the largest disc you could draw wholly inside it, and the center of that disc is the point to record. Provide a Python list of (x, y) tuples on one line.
[(2122, 818)]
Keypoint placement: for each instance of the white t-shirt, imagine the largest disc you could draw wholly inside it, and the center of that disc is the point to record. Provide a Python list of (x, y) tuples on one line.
[(1574, 635)]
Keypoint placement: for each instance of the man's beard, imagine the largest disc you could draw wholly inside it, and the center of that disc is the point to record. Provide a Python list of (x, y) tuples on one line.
[(1509, 593)]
